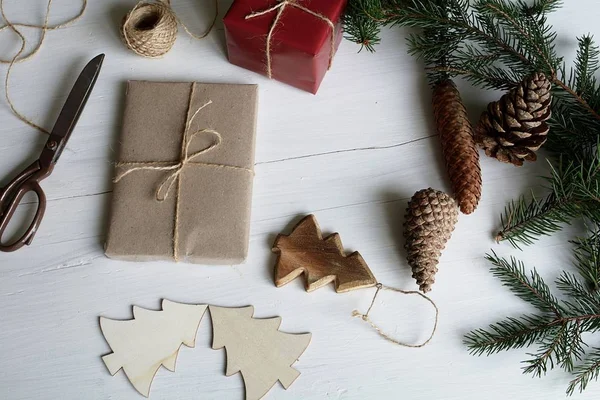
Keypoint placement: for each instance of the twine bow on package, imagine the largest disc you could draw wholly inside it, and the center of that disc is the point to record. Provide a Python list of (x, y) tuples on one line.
[(184, 174), (292, 41)]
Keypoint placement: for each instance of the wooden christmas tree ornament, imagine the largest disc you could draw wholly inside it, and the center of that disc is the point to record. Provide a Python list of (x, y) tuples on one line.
[(153, 338), (321, 261), (257, 349)]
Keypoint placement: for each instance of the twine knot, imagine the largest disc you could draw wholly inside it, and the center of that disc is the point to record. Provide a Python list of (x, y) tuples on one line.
[(150, 28), (165, 187), (280, 8), (356, 313), (187, 159)]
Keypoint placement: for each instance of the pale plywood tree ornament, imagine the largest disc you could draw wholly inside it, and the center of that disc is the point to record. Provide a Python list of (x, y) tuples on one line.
[(153, 338), (323, 260), (257, 349)]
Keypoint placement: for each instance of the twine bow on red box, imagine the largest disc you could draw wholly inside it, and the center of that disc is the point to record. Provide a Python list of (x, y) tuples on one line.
[(280, 8)]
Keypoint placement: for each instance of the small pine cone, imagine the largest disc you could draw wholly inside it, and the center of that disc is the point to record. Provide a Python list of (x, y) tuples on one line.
[(458, 145), (514, 128), (430, 219)]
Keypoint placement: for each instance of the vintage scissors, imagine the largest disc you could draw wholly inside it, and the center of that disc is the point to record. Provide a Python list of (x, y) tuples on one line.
[(29, 180)]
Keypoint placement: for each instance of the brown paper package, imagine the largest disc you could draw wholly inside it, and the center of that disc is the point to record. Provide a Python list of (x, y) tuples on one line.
[(214, 203)]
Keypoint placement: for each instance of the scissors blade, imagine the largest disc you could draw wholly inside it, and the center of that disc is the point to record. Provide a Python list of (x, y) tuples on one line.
[(69, 115)]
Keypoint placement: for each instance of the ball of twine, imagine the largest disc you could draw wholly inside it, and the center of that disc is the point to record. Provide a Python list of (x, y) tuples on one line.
[(150, 29)]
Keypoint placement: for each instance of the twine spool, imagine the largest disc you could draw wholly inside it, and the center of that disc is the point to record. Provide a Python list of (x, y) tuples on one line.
[(150, 28)]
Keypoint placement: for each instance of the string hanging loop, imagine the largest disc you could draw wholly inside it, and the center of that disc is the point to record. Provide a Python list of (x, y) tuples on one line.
[(365, 316)]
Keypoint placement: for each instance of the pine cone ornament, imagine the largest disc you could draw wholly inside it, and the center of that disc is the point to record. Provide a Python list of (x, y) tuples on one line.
[(458, 145), (514, 128), (430, 219)]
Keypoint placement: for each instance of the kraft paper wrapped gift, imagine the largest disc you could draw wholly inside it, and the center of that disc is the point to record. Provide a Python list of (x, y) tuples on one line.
[(183, 178)]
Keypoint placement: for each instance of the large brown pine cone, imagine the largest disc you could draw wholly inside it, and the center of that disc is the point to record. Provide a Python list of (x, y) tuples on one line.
[(514, 128), (458, 145), (430, 219)]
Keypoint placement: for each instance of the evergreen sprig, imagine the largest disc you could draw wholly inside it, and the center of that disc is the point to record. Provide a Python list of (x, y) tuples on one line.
[(574, 188), (587, 254), (557, 326), (495, 44), (588, 371)]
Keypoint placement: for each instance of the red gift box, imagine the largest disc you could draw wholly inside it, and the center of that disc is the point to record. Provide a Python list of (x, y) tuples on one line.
[(292, 41)]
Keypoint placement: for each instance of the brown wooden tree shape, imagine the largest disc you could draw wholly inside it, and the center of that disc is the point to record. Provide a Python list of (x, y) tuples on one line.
[(321, 260), (257, 349)]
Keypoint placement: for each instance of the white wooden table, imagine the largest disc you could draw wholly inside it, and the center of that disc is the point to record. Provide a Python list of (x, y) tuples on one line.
[(352, 155)]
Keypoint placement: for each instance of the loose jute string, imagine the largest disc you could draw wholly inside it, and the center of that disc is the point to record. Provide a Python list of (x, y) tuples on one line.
[(150, 28), (45, 27), (365, 317), (280, 7), (177, 167)]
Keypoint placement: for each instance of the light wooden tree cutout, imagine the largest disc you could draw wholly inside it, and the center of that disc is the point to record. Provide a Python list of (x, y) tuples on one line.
[(321, 260), (153, 338), (257, 349)]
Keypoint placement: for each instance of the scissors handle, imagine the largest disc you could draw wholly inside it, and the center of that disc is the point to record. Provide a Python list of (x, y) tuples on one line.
[(10, 197)]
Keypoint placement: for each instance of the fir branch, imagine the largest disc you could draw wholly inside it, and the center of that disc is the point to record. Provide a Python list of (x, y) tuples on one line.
[(540, 7), (581, 84), (562, 349), (576, 97), (490, 77), (508, 334), (360, 27), (514, 333), (549, 353), (585, 373), (574, 135), (467, 27), (581, 301), (454, 18), (507, 15), (531, 289), (574, 193), (587, 255), (557, 330), (573, 350), (586, 66), (525, 221)]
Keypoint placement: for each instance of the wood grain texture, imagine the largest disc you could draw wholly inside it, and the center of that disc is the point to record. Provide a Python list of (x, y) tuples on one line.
[(257, 349), (321, 260), (151, 339), (353, 155)]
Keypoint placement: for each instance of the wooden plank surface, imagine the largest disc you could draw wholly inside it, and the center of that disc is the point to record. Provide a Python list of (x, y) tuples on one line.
[(352, 155)]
